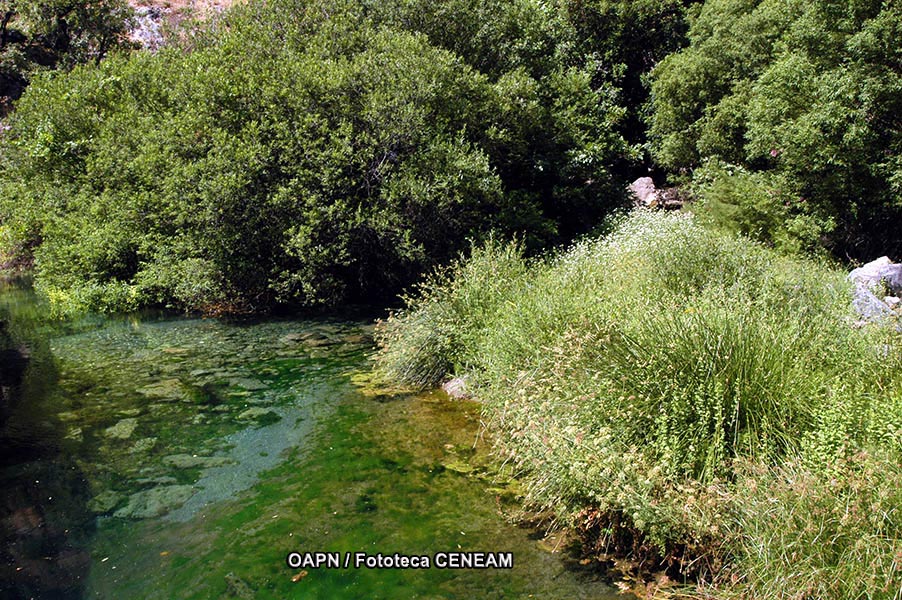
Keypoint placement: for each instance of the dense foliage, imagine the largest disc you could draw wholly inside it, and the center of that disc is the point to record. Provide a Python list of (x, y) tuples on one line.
[(792, 108), (316, 152), (672, 389), (43, 34)]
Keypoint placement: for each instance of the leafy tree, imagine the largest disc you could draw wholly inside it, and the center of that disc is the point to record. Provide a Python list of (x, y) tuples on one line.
[(622, 41), (808, 95), (55, 33), (614, 43), (301, 154)]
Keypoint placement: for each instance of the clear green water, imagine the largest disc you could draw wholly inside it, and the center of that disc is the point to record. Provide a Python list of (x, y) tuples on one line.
[(162, 457)]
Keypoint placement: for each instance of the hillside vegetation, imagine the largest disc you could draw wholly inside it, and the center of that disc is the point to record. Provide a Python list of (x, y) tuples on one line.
[(790, 114), (685, 397), (321, 152), (689, 390), (312, 153)]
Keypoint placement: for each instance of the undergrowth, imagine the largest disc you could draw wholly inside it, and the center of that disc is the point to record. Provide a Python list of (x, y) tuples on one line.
[(698, 401)]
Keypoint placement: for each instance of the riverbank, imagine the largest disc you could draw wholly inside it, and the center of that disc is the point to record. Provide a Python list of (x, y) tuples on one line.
[(687, 399)]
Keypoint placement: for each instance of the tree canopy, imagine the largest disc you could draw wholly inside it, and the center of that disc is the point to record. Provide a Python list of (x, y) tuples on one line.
[(308, 153), (794, 109), (43, 34)]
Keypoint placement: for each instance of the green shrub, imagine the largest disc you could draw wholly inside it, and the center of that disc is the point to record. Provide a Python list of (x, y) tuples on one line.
[(46, 34), (803, 535), (301, 154), (803, 96), (422, 346), (632, 376), (764, 206)]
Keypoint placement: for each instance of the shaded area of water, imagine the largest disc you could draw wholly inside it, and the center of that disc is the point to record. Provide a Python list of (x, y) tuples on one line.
[(45, 524), (185, 458)]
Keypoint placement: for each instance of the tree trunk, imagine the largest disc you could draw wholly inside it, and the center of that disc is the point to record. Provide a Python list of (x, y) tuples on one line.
[(7, 17)]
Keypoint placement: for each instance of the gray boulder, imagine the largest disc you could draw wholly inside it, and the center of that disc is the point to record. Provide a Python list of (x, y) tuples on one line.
[(891, 276), (869, 274), (870, 280), (644, 191), (869, 306), (456, 388)]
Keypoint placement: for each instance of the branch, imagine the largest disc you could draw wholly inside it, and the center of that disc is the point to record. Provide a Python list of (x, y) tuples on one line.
[(7, 16)]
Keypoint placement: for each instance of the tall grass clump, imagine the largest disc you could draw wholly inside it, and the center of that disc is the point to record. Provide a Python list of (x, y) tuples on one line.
[(422, 345), (670, 389)]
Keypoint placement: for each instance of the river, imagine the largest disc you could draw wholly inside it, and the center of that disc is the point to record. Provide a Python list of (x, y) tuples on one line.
[(159, 456)]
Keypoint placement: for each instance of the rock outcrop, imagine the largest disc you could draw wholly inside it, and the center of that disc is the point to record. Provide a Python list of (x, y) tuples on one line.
[(646, 194), (878, 286)]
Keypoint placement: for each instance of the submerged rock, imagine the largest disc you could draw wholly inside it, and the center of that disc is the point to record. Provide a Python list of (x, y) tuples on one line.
[(458, 466), (75, 434), (123, 429), (308, 338), (192, 461), (162, 480), (258, 413), (294, 338), (166, 390), (155, 502), (237, 588), (175, 351), (246, 383), (104, 502)]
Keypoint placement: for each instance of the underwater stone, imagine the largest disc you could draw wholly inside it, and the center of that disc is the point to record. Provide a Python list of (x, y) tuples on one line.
[(166, 390), (123, 429), (175, 351), (189, 461), (155, 502), (248, 384), (293, 338), (104, 502), (144, 445), (257, 413), (237, 588), (457, 466), (164, 480)]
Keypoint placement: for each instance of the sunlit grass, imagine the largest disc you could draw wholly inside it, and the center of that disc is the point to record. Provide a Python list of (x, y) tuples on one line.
[(638, 376)]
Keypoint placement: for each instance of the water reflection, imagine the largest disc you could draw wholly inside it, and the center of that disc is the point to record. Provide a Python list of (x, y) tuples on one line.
[(44, 521)]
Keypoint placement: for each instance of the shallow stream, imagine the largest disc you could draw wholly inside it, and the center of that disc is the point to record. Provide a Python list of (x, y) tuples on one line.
[(163, 457)]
